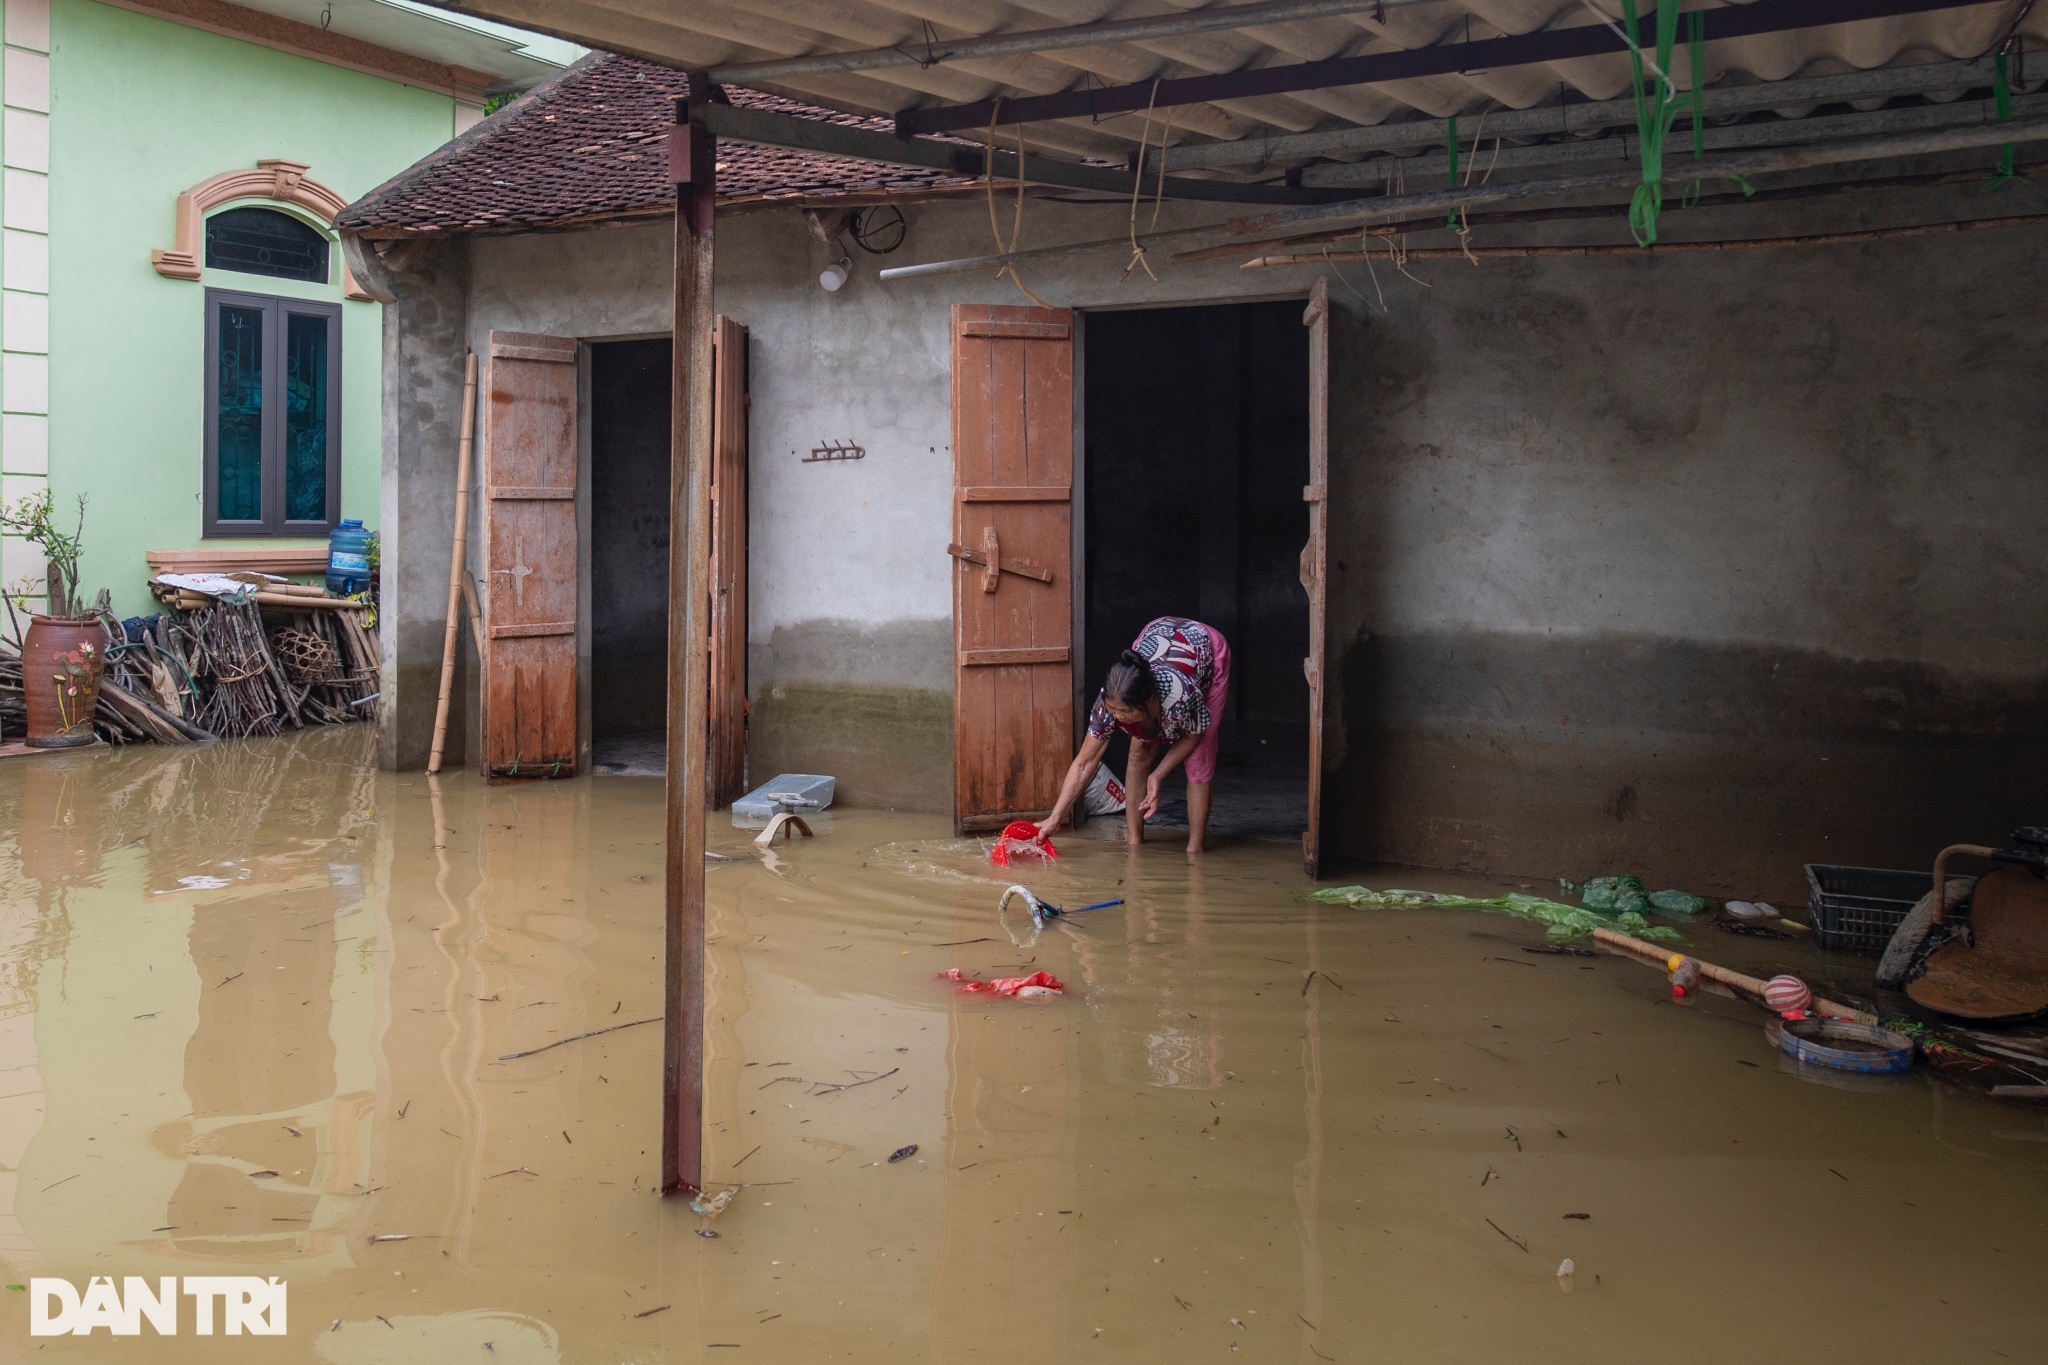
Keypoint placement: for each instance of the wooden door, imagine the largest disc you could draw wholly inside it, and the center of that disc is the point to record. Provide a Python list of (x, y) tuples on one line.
[(1315, 558), (529, 549), (1012, 549), (727, 750)]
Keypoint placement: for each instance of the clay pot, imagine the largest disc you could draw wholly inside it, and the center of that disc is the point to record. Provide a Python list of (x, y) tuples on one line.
[(61, 663)]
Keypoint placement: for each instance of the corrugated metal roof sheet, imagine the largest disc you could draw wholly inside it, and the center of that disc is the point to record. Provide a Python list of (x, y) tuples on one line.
[(702, 35)]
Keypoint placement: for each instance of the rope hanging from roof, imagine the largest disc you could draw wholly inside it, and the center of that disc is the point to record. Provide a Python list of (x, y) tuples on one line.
[(1138, 257), (988, 178), (1656, 112), (1696, 50)]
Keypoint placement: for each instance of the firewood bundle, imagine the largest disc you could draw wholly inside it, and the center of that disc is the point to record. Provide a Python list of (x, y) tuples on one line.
[(189, 676), (248, 691)]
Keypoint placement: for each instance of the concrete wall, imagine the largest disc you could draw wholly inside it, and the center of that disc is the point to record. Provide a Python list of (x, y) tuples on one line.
[(422, 356), (1701, 565), (1715, 565)]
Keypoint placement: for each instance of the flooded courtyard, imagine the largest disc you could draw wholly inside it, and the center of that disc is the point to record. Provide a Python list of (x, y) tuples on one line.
[(260, 1007)]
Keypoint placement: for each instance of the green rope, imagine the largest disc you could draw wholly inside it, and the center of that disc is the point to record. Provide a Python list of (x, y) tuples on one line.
[(1696, 51), (1454, 220), (2001, 102), (1656, 112)]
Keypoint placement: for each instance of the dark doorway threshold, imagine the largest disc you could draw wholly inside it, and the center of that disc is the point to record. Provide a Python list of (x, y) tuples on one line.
[(630, 756)]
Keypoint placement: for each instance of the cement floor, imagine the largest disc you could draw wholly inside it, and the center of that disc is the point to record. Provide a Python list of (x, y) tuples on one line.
[(258, 1004)]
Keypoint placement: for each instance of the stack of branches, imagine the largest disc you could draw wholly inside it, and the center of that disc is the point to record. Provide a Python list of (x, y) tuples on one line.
[(229, 655), (247, 691), (189, 676)]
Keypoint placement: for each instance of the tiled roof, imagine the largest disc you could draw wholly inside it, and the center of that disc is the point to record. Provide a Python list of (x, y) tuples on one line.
[(590, 145)]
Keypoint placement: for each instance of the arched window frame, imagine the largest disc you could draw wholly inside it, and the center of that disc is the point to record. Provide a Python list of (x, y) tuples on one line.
[(291, 213), (281, 183)]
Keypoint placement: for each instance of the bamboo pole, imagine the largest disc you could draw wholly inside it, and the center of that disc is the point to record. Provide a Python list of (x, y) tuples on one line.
[(455, 561), (295, 601), (1749, 985)]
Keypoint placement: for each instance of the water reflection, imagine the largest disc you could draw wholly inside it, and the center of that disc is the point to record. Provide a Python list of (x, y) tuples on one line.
[(258, 1006)]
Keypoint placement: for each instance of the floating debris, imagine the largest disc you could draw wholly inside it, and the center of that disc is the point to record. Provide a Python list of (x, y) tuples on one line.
[(1562, 921), (1037, 986), (716, 1204), (577, 1037)]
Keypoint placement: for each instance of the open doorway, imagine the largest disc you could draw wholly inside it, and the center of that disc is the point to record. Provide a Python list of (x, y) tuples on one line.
[(1196, 438), (629, 534)]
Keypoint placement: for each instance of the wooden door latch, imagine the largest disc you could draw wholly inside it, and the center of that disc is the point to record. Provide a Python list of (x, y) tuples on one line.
[(992, 562)]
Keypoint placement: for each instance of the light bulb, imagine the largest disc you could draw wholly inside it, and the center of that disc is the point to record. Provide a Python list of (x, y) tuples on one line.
[(834, 276)]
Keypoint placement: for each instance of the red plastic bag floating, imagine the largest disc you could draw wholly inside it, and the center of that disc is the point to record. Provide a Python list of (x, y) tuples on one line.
[(1020, 839), (1037, 986)]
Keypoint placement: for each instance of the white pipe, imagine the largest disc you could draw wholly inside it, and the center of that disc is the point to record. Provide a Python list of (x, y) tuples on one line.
[(1417, 169), (1680, 169)]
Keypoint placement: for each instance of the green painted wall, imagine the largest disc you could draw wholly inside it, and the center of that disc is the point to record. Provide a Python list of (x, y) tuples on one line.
[(142, 109)]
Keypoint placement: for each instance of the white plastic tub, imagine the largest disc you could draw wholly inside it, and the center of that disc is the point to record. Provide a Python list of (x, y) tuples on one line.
[(799, 792)]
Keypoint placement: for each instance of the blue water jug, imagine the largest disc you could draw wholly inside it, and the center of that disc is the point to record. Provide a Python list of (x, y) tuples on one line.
[(348, 559)]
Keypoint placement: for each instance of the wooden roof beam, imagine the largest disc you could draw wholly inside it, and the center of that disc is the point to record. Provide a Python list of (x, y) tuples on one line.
[(736, 124)]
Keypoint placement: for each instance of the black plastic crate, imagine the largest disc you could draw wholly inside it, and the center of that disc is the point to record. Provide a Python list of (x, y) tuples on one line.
[(1857, 909)]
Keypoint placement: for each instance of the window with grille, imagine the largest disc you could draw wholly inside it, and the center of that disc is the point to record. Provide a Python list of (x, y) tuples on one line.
[(266, 242), (273, 419)]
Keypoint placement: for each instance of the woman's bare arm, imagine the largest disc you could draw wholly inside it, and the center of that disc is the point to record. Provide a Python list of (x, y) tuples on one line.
[(1182, 747), (1078, 772)]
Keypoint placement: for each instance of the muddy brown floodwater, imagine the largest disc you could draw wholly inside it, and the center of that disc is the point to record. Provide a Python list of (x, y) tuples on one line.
[(254, 1001)]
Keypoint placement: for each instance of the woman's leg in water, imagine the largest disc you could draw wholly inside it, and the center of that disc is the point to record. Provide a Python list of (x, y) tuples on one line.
[(1136, 770), (1198, 813), (1201, 764)]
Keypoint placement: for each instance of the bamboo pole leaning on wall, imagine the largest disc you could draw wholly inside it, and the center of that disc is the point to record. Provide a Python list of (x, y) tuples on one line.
[(455, 563)]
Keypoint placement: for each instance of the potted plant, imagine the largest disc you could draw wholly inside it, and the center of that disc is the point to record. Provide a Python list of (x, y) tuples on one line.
[(63, 654)]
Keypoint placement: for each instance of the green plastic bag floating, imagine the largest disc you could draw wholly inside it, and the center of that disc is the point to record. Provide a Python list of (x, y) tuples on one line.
[(1615, 895), (1626, 895), (1677, 903), (1561, 922)]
